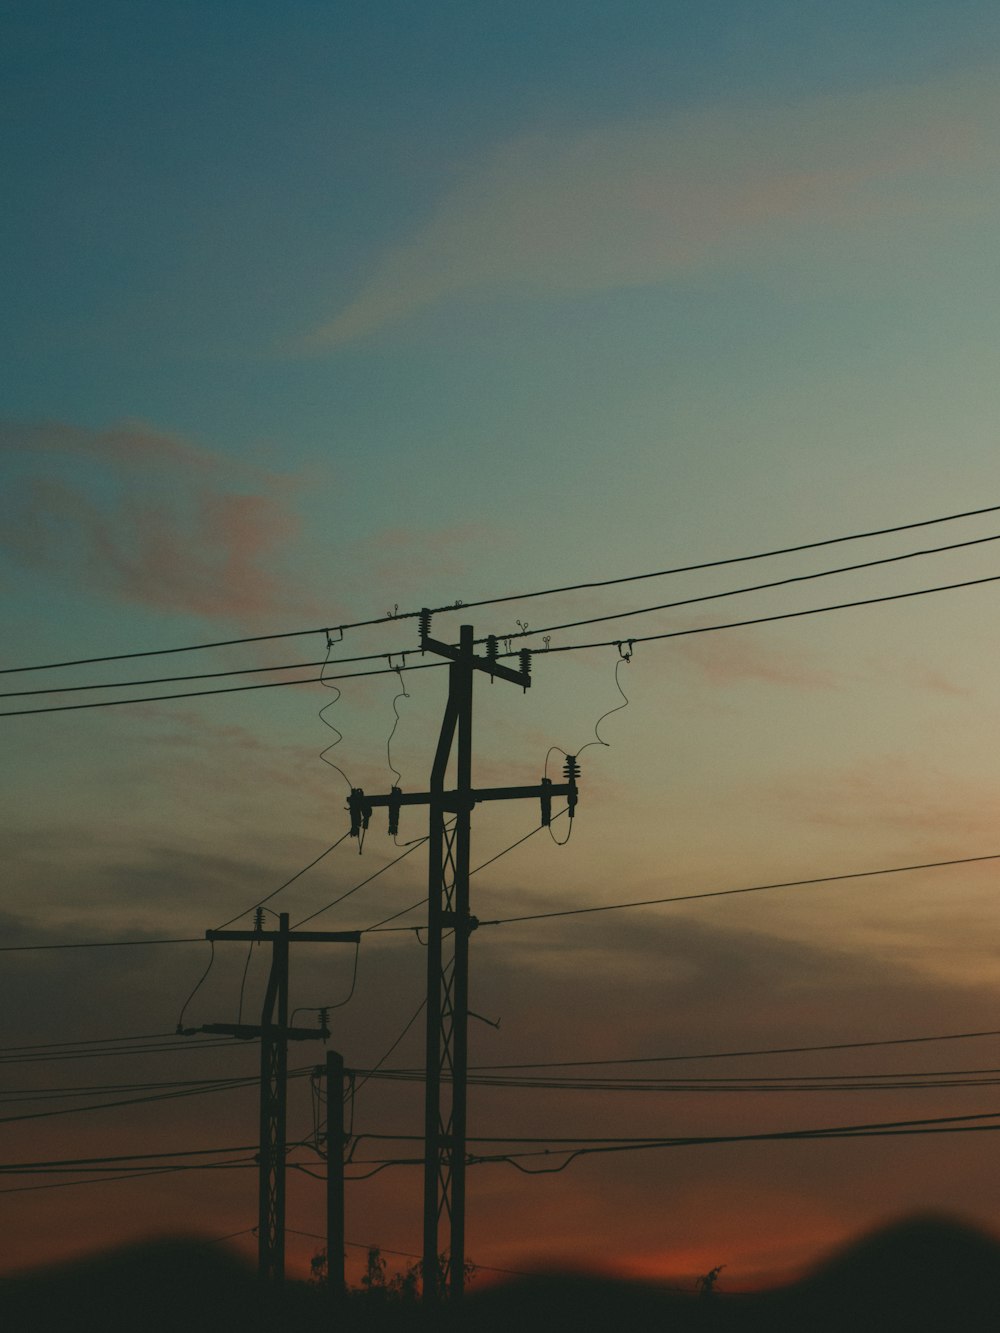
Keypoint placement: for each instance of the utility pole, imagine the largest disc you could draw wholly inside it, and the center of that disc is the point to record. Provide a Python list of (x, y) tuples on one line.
[(274, 1034), (449, 926), (335, 1174)]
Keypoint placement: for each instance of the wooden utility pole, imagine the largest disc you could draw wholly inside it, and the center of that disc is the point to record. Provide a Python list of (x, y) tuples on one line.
[(274, 1034)]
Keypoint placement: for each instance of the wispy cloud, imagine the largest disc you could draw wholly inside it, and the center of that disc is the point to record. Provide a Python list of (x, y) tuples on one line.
[(640, 201), (146, 518), (725, 662)]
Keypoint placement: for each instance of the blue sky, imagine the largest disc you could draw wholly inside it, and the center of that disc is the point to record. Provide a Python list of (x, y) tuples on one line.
[(317, 311)]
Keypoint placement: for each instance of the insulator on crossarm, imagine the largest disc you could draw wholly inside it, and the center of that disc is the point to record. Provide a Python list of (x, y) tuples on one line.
[(546, 799), (571, 771), (395, 801), (354, 807), (424, 622), (524, 658)]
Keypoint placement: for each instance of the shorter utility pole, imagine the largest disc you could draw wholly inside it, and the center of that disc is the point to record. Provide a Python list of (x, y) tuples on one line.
[(274, 1034), (335, 1174)]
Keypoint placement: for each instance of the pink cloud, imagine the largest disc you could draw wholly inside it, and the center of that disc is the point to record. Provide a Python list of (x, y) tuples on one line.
[(405, 558), (636, 202), (146, 518)]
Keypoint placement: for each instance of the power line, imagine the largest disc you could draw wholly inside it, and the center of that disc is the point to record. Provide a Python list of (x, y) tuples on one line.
[(526, 633), (100, 944), (111, 1089), (756, 620), (418, 842), (291, 880), (737, 592), (89, 1041), (731, 1055), (227, 1086), (16, 1168), (535, 652), (229, 689), (514, 597), (931, 1125), (382, 928), (716, 564), (726, 893), (184, 1045), (798, 1084)]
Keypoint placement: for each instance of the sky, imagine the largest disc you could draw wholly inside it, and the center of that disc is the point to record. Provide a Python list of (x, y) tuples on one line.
[(320, 314)]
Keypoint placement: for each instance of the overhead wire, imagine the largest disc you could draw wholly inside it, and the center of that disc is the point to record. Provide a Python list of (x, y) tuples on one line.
[(185, 1044), (322, 717), (533, 916), (412, 847), (524, 631), (921, 1039), (291, 880), (521, 596), (356, 1088), (326, 679), (760, 620), (750, 888), (739, 592)]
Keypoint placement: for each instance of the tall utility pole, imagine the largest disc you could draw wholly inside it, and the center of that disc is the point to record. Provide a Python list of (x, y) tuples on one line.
[(449, 926), (274, 1034)]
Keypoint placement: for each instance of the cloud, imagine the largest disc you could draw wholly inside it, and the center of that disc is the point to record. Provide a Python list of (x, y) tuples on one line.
[(408, 558), (725, 662), (641, 201), (146, 518), (925, 808)]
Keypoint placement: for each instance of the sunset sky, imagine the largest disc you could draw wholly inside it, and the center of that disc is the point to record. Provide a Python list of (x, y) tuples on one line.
[(320, 313)]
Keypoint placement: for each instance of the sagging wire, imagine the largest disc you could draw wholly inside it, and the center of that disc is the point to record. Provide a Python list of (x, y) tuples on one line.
[(394, 805), (291, 880), (410, 1022), (624, 658), (330, 644), (571, 767), (375, 874), (258, 926), (403, 694), (198, 986), (324, 1009)]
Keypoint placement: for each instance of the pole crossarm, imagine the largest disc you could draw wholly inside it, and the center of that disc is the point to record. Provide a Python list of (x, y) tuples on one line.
[(476, 795), (251, 1031), (474, 663)]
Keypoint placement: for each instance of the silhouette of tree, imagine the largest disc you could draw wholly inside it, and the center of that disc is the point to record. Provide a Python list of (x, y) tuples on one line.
[(706, 1283)]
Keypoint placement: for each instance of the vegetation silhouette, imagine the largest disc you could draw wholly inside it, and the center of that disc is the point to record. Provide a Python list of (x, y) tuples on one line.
[(921, 1275)]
